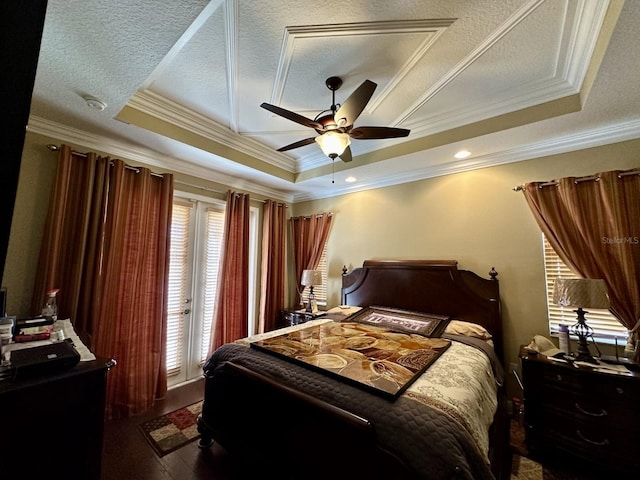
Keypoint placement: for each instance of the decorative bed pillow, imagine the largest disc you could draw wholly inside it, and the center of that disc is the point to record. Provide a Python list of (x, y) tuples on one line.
[(345, 310), (460, 327)]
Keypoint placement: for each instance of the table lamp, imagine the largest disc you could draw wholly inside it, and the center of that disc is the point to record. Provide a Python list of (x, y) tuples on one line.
[(309, 279), (581, 292)]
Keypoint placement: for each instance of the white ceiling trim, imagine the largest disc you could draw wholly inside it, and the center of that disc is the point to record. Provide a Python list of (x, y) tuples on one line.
[(589, 139), (231, 27), (200, 20), (572, 64), (158, 106), (408, 66), (505, 28), (292, 34), (588, 18), (149, 157), (529, 95)]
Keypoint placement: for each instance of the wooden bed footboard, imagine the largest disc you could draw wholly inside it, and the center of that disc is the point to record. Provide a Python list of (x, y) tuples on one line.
[(293, 435)]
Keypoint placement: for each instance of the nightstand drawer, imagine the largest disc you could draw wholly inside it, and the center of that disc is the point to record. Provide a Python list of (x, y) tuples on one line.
[(591, 441), (599, 409)]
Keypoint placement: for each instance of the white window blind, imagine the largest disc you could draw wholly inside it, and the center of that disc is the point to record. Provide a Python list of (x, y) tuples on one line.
[(209, 284), (177, 295), (604, 324), (203, 271), (319, 291)]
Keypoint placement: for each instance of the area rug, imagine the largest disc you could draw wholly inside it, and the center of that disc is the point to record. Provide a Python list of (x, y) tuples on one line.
[(172, 430)]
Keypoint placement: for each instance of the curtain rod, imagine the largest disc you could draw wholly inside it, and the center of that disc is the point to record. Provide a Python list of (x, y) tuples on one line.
[(553, 183), (55, 148), (201, 187), (306, 217)]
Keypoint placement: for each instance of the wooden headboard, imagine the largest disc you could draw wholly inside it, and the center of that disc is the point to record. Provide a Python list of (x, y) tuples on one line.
[(431, 286)]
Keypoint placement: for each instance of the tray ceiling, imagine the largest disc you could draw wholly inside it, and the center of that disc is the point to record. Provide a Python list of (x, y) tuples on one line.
[(183, 82)]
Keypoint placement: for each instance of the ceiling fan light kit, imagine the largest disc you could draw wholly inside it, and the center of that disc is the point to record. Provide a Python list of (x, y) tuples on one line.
[(335, 126), (333, 143)]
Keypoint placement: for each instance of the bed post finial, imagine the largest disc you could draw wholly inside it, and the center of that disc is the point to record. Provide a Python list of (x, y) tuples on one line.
[(344, 270), (493, 273)]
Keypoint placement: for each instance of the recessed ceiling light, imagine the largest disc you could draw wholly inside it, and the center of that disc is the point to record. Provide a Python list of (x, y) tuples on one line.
[(350, 179), (95, 103), (462, 154)]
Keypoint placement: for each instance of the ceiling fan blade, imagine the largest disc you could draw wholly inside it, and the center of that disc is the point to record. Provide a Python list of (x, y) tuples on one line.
[(354, 105), (294, 117), (300, 143), (370, 133), (346, 155)]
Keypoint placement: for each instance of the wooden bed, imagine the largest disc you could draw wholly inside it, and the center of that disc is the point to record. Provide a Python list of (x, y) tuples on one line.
[(275, 426)]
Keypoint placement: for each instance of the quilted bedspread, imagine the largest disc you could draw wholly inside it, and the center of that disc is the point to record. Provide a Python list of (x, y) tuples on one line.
[(426, 426)]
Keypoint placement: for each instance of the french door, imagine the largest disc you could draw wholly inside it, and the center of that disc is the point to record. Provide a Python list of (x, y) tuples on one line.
[(196, 241), (197, 228)]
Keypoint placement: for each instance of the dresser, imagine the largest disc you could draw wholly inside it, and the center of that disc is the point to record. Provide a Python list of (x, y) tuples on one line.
[(581, 413), (51, 426)]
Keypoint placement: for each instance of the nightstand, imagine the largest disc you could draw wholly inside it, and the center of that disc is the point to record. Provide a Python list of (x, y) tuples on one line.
[(294, 317), (582, 413)]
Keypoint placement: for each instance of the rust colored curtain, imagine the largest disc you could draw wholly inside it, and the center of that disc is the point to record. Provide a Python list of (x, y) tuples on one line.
[(593, 223), (273, 264), (231, 314), (308, 236), (106, 246)]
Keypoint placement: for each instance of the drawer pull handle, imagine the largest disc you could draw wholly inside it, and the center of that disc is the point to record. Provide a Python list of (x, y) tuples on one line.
[(602, 413), (592, 442)]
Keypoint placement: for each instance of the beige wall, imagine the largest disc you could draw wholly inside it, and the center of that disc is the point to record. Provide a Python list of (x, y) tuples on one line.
[(474, 217), (37, 171)]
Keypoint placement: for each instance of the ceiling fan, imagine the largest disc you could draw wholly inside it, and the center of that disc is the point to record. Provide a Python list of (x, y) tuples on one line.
[(335, 126)]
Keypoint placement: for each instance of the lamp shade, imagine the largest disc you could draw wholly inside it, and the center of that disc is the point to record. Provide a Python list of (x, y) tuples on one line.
[(333, 143), (311, 277), (580, 292)]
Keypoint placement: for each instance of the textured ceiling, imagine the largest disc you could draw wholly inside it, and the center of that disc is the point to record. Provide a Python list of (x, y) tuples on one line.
[(183, 82)]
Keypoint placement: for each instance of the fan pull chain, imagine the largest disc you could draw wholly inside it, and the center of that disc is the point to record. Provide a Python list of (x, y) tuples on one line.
[(333, 170)]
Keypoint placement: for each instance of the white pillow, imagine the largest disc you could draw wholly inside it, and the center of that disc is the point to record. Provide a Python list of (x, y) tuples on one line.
[(345, 310), (460, 327)]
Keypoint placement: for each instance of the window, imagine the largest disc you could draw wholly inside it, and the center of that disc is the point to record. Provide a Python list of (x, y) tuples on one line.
[(319, 291), (197, 227), (606, 327)]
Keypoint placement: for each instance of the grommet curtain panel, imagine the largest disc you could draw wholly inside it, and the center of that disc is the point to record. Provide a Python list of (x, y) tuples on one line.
[(231, 312), (106, 247), (308, 236), (274, 233), (593, 224)]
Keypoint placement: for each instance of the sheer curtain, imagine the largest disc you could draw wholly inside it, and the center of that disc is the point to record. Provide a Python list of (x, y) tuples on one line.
[(308, 236), (230, 318), (106, 247), (273, 264), (593, 223)]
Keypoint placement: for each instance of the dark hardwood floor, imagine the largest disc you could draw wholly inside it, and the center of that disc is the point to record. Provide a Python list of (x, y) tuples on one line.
[(128, 456)]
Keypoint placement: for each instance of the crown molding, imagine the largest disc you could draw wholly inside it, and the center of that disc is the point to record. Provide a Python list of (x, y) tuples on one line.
[(166, 110), (149, 157), (588, 139)]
